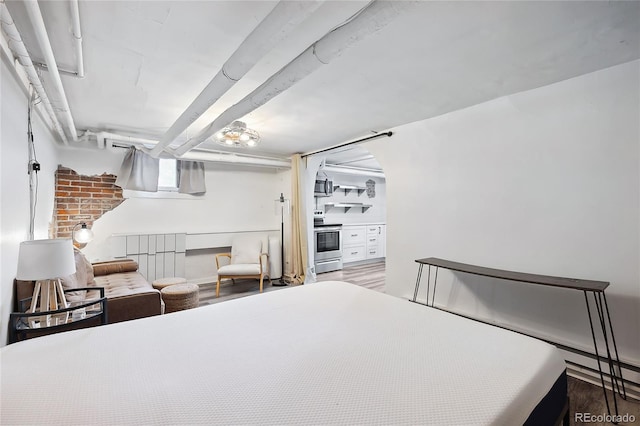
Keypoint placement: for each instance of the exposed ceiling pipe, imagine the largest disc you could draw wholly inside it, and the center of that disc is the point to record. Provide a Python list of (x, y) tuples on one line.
[(107, 138), (19, 50), (356, 160), (77, 36), (35, 16), (219, 157), (352, 170), (371, 19), (103, 139), (281, 21)]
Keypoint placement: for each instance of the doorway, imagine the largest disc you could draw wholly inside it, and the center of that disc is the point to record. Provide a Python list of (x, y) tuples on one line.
[(357, 205)]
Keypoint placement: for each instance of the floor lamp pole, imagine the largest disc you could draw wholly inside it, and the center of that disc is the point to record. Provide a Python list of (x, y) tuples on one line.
[(281, 282)]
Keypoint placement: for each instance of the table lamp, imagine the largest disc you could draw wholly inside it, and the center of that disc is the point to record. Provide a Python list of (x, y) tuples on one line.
[(45, 261), (82, 235)]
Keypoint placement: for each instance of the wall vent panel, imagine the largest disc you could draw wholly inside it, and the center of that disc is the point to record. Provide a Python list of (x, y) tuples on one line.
[(158, 255)]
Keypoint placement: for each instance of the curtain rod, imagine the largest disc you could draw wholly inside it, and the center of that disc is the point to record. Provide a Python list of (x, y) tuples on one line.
[(389, 133)]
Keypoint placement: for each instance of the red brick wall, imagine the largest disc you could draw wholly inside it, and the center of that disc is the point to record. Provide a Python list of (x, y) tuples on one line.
[(82, 199)]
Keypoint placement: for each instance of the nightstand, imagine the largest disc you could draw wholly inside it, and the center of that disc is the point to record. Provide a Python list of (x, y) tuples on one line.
[(87, 313)]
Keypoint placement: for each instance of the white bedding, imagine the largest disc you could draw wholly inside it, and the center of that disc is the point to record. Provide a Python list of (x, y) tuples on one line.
[(325, 353)]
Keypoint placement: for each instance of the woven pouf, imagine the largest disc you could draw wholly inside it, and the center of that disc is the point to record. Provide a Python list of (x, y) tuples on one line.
[(179, 297), (161, 283)]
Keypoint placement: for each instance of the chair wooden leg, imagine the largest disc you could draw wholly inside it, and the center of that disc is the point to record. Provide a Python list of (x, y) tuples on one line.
[(218, 287), (261, 279)]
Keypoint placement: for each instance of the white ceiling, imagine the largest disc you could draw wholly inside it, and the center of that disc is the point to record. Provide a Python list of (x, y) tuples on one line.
[(145, 61)]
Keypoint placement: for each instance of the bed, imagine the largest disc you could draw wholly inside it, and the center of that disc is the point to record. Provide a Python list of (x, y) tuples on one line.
[(324, 353)]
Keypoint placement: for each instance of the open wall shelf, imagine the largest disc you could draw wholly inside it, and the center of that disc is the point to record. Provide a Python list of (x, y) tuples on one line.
[(346, 206), (348, 188)]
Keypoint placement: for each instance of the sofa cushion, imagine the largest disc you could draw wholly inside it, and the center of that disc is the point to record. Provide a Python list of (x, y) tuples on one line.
[(115, 266), (91, 282), (77, 279), (239, 269), (124, 283), (129, 295)]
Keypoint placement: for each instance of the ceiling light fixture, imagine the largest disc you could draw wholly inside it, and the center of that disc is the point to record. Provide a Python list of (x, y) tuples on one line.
[(237, 135)]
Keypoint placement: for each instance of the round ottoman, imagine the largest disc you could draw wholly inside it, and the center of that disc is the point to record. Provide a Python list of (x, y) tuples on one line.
[(161, 283), (179, 297)]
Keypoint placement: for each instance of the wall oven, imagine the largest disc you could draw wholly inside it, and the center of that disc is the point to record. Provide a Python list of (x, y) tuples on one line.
[(328, 248)]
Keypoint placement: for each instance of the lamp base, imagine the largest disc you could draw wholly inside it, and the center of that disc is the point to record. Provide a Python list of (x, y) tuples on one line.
[(51, 297), (280, 283)]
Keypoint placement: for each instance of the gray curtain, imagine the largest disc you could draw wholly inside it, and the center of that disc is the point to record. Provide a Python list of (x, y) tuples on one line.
[(139, 172), (192, 177)]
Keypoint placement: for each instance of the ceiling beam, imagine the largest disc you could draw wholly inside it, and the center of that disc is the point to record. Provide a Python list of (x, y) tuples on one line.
[(369, 20), (279, 23)]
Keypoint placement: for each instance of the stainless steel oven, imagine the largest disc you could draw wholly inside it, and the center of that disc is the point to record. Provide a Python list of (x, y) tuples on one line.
[(328, 248)]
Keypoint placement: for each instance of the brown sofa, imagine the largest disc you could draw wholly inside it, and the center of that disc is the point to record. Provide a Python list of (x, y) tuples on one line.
[(129, 294)]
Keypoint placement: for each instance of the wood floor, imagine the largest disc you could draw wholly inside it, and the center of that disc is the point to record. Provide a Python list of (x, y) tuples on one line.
[(584, 397), (369, 275), (587, 398)]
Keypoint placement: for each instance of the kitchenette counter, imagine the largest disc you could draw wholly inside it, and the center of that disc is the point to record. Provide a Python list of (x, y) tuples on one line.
[(363, 241)]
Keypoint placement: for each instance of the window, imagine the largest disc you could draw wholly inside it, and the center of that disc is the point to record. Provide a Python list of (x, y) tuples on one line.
[(168, 175)]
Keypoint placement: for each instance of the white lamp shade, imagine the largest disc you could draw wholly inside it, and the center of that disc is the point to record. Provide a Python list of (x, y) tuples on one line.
[(45, 259)]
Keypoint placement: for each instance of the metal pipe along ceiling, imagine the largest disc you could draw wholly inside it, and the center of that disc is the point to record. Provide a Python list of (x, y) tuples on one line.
[(199, 155), (77, 37), (352, 170), (371, 19), (35, 16), (219, 157), (20, 51), (283, 19)]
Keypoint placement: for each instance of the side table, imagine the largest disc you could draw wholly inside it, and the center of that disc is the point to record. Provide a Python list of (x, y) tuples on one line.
[(587, 287), (87, 313)]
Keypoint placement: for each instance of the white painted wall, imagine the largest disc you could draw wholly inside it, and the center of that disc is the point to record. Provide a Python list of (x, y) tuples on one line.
[(238, 199), (14, 184), (545, 181)]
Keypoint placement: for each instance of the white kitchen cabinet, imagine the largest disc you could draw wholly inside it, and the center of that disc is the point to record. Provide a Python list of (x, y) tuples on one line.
[(362, 242), (374, 249), (354, 243), (354, 253), (354, 235), (382, 240)]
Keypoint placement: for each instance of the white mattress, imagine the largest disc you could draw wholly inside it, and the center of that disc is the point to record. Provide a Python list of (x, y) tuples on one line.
[(325, 353)]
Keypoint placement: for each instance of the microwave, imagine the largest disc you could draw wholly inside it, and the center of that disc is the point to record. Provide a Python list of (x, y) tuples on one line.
[(323, 188)]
